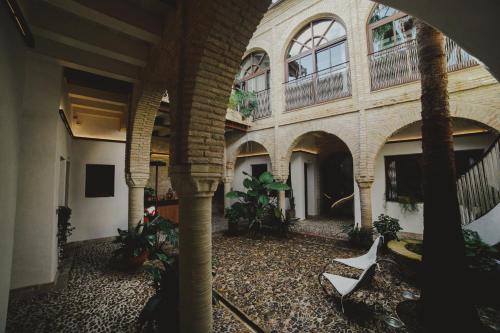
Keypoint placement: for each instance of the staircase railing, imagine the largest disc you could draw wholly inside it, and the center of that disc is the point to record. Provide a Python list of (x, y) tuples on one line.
[(479, 188)]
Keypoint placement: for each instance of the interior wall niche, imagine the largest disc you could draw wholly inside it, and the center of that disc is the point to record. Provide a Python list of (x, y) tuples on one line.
[(99, 180)]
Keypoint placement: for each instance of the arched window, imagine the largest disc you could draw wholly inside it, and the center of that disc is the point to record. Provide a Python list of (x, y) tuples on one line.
[(254, 72), (320, 45), (388, 27)]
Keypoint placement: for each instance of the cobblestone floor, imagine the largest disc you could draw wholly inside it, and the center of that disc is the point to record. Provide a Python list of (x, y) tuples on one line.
[(275, 282), (96, 299), (323, 226)]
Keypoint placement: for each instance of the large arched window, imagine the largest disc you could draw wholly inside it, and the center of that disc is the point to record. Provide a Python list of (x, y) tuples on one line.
[(388, 27), (254, 72), (392, 46), (317, 69), (320, 45)]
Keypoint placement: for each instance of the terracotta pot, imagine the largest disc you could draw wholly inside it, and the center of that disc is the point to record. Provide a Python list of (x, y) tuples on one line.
[(136, 262)]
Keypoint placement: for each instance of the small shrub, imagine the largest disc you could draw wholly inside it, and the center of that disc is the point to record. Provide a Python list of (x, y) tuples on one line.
[(388, 227), (64, 229), (479, 255), (358, 237)]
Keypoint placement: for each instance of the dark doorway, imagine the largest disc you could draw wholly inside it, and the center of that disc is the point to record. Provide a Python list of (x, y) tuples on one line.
[(337, 183), (258, 169)]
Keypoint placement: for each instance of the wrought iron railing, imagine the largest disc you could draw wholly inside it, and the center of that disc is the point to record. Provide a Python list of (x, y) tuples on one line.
[(399, 64), (479, 188), (263, 109), (325, 85)]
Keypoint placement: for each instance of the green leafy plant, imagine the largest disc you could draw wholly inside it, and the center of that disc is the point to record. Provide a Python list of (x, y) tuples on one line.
[(258, 205), (388, 227), (147, 239), (479, 255), (408, 204), (161, 312), (245, 102), (64, 229), (358, 237)]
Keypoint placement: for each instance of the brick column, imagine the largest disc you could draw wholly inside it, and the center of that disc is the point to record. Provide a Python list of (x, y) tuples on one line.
[(136, 184), (195, 191), (365, 187)]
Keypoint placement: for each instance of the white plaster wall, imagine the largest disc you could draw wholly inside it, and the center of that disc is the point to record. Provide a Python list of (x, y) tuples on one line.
[(411, 222), (12, 57), (298, 184), (97, 217), (244, 164), (42, 143), (488, 226)]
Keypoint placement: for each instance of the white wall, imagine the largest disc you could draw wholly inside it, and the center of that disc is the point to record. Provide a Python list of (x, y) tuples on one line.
[(43, 142), (97, 217), (298, 184), (411, 221), (244, 164), (12, 56)]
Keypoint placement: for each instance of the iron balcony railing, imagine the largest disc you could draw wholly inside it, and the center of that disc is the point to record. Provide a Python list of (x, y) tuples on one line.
[(479, 188), (263, 109), (325, 85), (399, 64)]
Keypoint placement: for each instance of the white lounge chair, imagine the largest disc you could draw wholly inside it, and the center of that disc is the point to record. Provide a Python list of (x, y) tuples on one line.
[(366, 260), (346, 286)]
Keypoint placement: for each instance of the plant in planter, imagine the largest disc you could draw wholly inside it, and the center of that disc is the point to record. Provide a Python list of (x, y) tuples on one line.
[(259, 203), (358, 237), (144, 241), (245, 102), (479, 255), (388, 227), (64, 229)]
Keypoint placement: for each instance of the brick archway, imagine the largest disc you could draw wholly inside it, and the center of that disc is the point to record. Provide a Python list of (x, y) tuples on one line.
[(379, 135), (195, 62)]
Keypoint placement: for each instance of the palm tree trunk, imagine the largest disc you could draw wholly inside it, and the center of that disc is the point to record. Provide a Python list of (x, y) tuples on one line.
[(446, 303)]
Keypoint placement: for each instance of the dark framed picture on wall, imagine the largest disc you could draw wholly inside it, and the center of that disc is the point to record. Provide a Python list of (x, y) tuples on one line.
[(99, 180)]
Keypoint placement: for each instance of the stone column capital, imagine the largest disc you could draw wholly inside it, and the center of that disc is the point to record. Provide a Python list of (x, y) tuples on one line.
[(136, 179), (194, 180), (365, 181)]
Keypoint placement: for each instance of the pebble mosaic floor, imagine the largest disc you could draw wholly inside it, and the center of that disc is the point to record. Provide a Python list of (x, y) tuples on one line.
[(274, 281), (96, 299)]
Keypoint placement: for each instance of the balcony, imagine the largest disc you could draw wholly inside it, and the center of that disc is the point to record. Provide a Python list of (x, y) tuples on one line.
[(322, 86), (251, 104), (399, 64)]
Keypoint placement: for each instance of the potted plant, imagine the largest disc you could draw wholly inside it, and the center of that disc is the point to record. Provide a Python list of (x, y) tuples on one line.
[(64, 229), (259, 202), (145, 240), (388, 227), (358, 237)]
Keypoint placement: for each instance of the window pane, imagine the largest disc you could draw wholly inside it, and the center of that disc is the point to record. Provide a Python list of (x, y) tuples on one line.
[(306, 65), (335, 32), (265, 62), (383, 37), (304, 35), (405, 29), (293, 70), (380, 12), (320, 27), (338, 54), (323, 59), (260, 83), (295, 49)]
